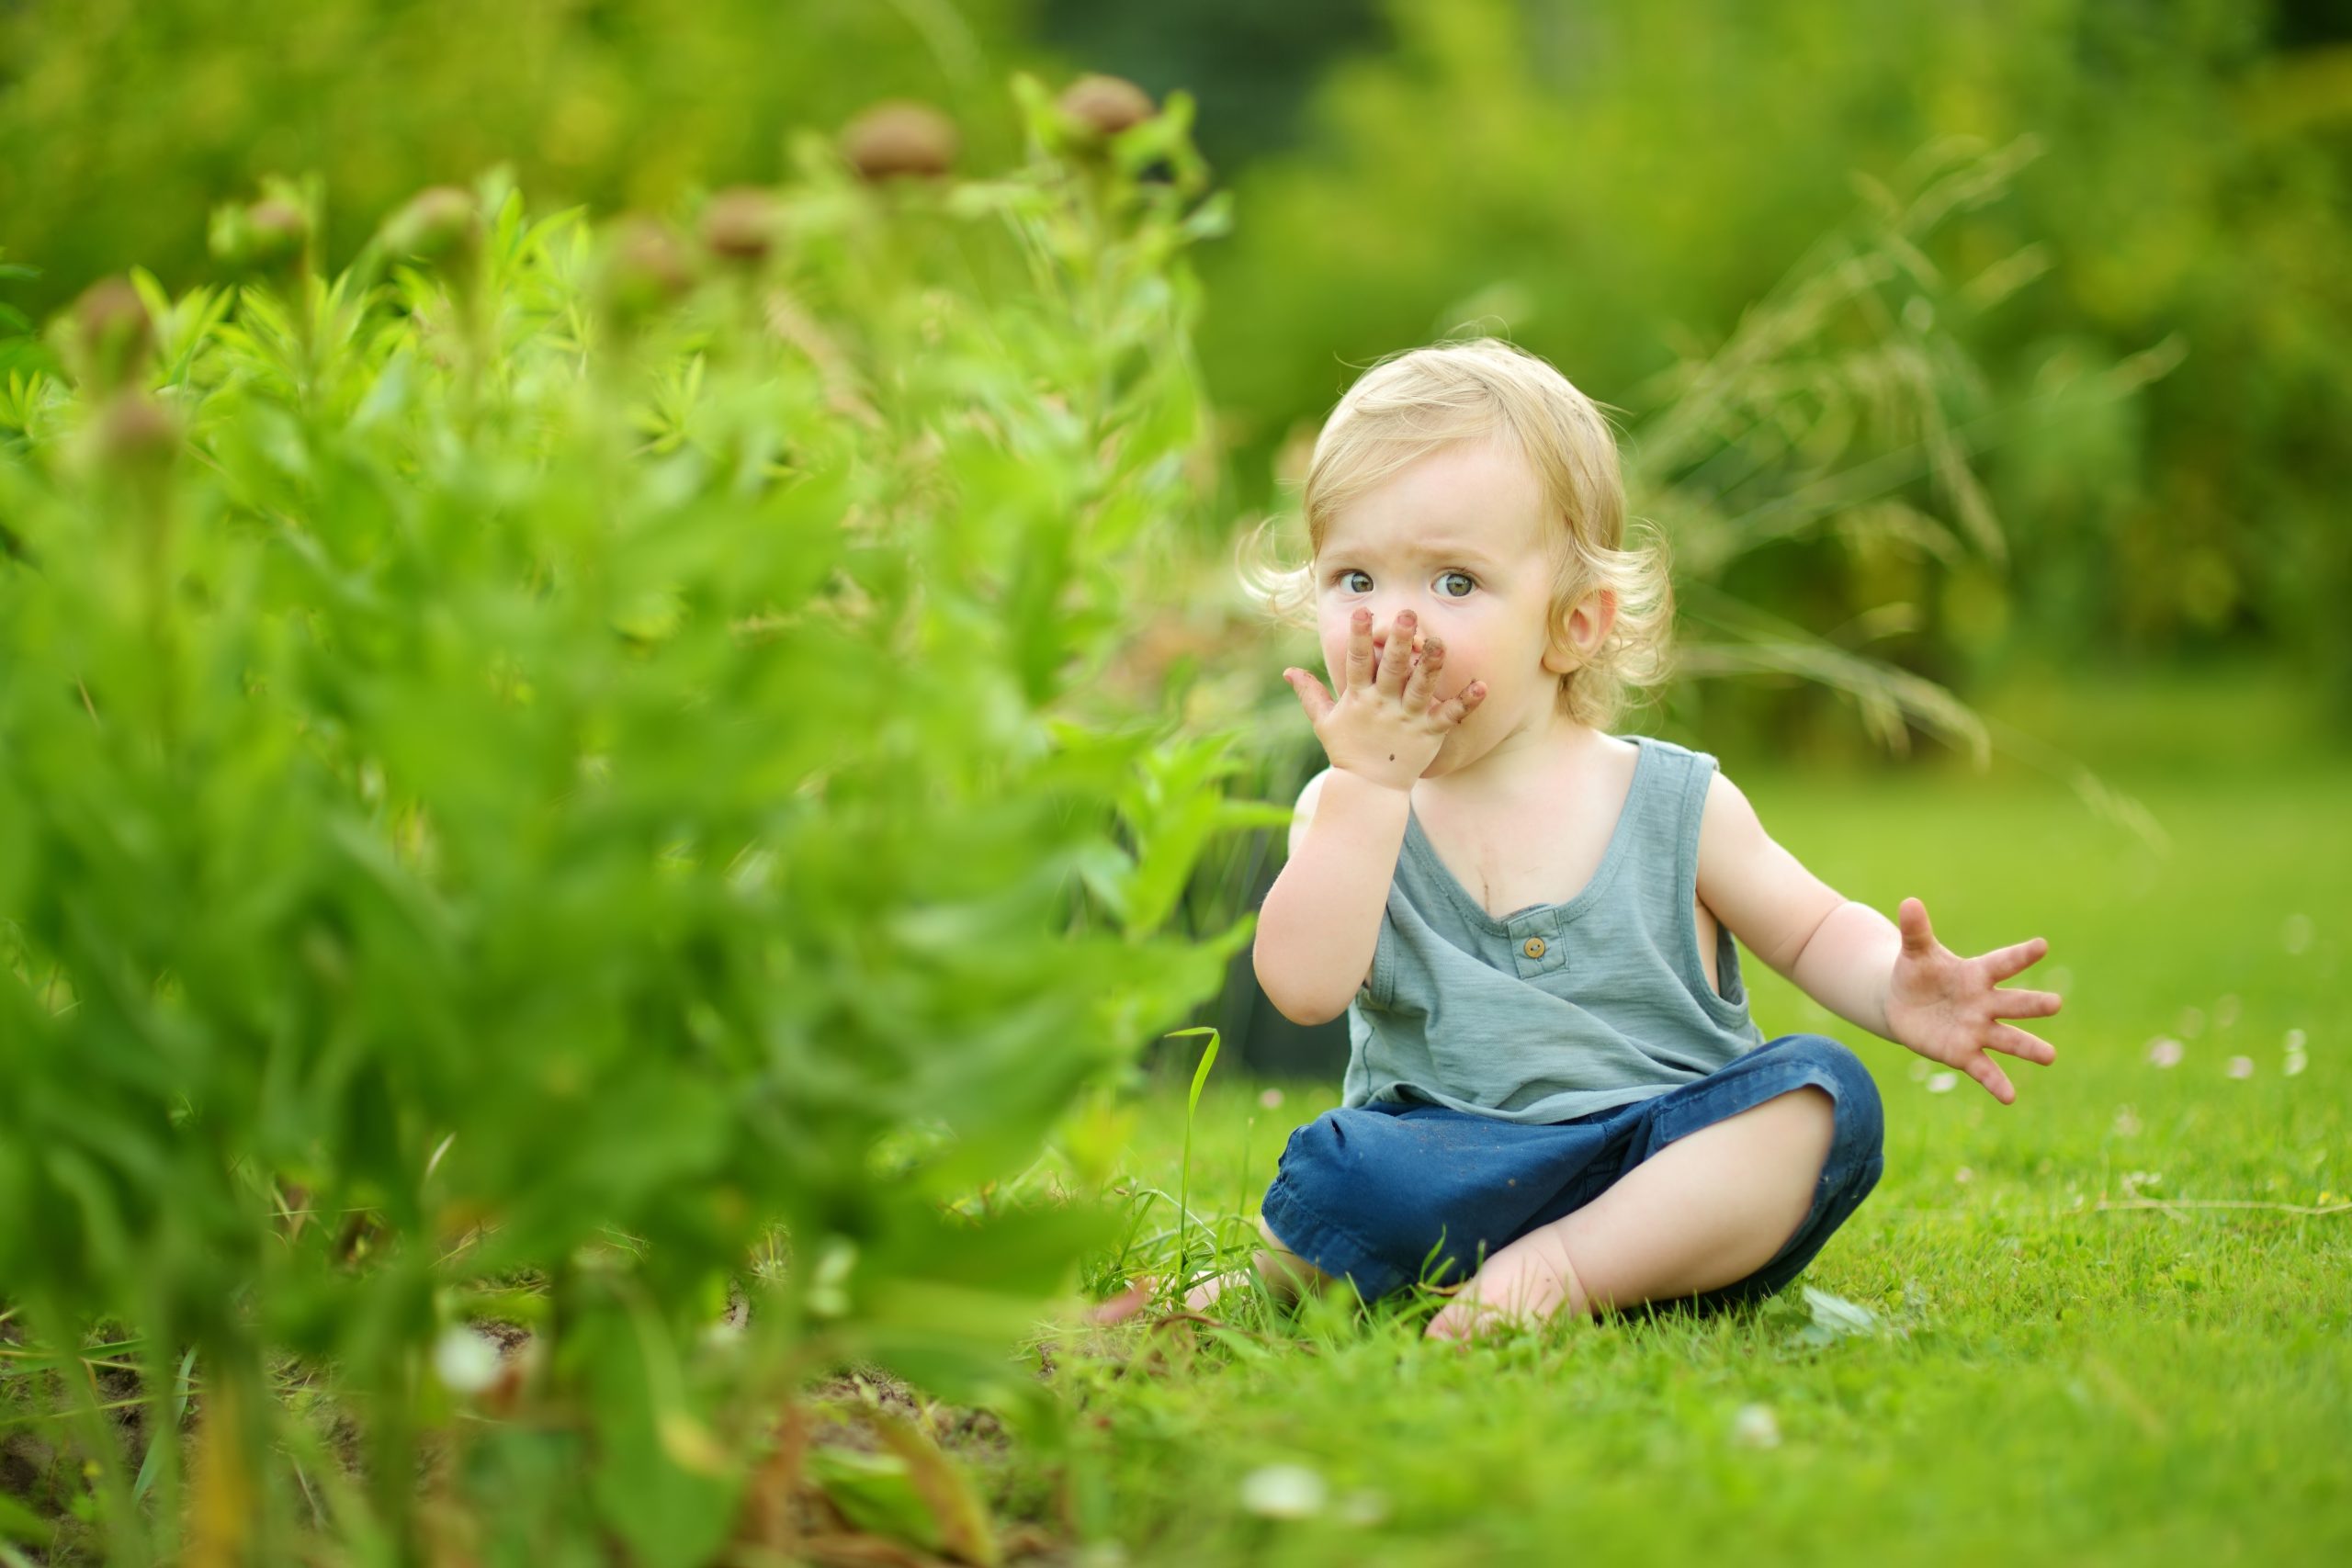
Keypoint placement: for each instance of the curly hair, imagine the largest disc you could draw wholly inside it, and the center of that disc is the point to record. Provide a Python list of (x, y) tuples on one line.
[(1413, 403)]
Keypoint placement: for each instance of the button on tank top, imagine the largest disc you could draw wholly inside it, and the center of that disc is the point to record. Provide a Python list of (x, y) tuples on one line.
[(1558, 1010)]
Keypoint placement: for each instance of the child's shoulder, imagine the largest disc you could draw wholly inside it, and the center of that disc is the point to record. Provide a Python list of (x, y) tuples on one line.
[(1685, 762), (1666, 748)]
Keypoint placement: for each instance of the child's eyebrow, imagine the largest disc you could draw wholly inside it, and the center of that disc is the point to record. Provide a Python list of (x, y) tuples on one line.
[(1439, 551)]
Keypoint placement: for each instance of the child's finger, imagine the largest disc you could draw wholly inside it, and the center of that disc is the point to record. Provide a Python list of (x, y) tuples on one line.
[(1397, 657), (2026, 1004), (1311, 695), (1918, 937), (2018, 1044), (2004, 961), (1458, 707), (1359, 650), (1417, 685), (1986, 1071)]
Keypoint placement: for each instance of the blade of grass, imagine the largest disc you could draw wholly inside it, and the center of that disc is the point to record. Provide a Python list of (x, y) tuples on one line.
[(1184, 1177), (166, 1432)]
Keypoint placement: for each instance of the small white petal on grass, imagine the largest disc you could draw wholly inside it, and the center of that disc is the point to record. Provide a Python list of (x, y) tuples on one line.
[(1283, 1492), (1272, 1099), (2127, 1122), (2296, 934), (465, 1361), (2192, 1023), (1942, 1083), (2296, 1040), (2240, 1066), (2225, 1011), (2165, 1051), (2296, 1063), (1752, 1427)]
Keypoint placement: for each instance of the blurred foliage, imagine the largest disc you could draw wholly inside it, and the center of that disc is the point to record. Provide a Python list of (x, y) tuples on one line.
[(1614, 183), (560, 767), (1250, 66), (119, 119)]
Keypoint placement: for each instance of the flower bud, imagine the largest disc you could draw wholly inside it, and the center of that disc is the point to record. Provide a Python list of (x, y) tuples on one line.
[(899, 137), (270, 235), (645, 269), (1100, 106), (135, 434), (276, 233), (739, 224), (437, 222), (112, 335)]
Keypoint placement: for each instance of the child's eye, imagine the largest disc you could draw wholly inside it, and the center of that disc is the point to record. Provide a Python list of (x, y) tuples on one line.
[(1349, 572), (1464, 577)]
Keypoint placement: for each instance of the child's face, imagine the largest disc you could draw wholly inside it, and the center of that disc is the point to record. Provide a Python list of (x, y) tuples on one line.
[(1458, 538)]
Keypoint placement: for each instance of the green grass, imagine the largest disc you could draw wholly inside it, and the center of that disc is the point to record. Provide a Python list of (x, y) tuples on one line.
[(2051, 1378)]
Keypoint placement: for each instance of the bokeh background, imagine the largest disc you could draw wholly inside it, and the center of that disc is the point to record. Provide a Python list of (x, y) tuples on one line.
[(2108, 378)]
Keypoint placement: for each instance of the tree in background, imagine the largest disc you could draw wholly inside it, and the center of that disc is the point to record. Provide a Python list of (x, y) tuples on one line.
[(1614, 184)]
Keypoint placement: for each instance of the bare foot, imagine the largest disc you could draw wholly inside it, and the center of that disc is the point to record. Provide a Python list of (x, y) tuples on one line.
[(1124, 1305), (1283, 1272), (1524, 1283), (1203, 1296), (1138, 1295)]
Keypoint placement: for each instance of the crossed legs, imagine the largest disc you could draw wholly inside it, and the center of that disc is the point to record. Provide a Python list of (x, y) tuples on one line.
[(1707, 1211)]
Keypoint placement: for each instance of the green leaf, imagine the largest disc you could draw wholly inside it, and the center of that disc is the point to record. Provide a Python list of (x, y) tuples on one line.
[(20, 1523), (876, 1492)]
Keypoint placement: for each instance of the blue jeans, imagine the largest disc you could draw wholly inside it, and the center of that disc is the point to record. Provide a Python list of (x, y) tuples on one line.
[(1388, 1193)]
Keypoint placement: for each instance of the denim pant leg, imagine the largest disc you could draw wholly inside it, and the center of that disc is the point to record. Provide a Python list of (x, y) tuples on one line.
[(1852, 1169), (1387, 1194)]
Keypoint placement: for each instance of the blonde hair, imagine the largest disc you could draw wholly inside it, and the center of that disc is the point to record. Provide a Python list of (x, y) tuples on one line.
[(1418, 402)]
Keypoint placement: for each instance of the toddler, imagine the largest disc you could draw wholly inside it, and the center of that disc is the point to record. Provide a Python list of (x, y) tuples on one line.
[(1555, 1100)]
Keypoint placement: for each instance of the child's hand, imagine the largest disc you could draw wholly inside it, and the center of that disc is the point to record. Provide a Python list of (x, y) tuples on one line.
[(1948, 1007), (1383, 725)]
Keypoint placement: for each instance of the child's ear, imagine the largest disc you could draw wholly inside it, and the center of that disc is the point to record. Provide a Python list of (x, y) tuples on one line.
[(1579, 633)]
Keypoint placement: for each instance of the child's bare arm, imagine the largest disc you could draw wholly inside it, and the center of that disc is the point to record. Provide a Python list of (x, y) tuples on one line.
[(1898, 983), (1321, 918), (1838, 952)]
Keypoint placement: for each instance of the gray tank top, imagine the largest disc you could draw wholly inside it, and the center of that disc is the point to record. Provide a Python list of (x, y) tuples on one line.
[(1559, 1010)]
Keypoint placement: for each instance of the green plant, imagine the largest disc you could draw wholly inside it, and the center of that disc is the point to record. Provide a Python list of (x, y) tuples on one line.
[(145, 114), (531, 762), (1183, 1274)]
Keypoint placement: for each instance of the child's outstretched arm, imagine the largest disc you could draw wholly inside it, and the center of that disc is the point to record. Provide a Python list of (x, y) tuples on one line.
[(1899, 983)]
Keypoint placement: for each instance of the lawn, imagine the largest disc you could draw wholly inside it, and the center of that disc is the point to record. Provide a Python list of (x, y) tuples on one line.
[(2069, 1348)]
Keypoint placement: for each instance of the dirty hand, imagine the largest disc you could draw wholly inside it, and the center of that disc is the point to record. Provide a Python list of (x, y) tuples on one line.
[(1949, 1008), (1385, 724)]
